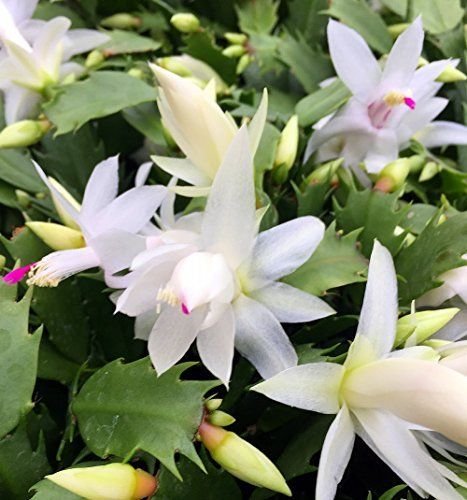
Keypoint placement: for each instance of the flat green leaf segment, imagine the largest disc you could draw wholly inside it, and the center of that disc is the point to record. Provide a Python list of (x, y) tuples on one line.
[(104, 93), (126, 42), (437, 250), (439, 15), (126, 408), (18, 358), (46, 490), (258, 17), (336, 262)]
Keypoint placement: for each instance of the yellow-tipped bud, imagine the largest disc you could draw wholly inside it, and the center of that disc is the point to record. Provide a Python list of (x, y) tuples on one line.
[(396, 29), (422, 62), (2, 261), (220, 418), (236, 38), (451, 74), (243, 63), (63, 214), (288, 144), (429, 171), (324, 173), (136, 73), (174, 66), (56, 236), (104, 482), (414, 329), (234, 51), (213, 404), (416, 162), (393, 175), (241, 459), (24, 200), (95, 58), (121, 21), (23, 133), (185, 22)]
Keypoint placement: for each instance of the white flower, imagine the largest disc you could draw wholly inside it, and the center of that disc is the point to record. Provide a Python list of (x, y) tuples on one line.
[(109, 224), (384, 397), (226, 292), (36, 55), (200, 128), (389, 105)]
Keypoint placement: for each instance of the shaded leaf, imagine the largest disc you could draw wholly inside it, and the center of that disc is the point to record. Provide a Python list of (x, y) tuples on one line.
[(102, 94), (47, 490), (127, 42), (257, 17), (438, 15), (18, 170), (125, 408)]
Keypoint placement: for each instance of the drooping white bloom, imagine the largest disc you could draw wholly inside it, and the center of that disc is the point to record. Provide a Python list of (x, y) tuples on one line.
[(35, 55), (382, 396), (226, 293), (388, 107), (200, 128), (109, 224)]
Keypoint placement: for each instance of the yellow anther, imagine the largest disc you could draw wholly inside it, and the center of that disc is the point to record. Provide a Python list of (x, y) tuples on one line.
[(394, 98)]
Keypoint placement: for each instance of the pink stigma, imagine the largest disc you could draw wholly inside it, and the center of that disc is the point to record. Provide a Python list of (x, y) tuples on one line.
[(17, 275), (409, 102), (185, 309)]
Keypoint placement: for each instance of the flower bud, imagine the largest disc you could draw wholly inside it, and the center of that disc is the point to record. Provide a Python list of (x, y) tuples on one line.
[(23, 133), (63, 214), (2, 261), (174, 66), (104, 482), (136, 73), (416, 162), (451, 74), (220, 418), (241, 459), (24, 199), (185, 22), (243, 63), (396, 29), (213, 404), (393, 175), (56, 236), (324, 173), (288, 144), (236, 38), (95, 58), (234, 51), (414, 329), (429, 171), (121, 21)]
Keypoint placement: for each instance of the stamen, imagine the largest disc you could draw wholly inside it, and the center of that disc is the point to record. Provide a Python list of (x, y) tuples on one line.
[(168, 296), (394, 98), (17, 275), (42, 275)]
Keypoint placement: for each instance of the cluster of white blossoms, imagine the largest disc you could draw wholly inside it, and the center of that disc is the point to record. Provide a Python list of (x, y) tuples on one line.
[(210, 276), (35, 55)]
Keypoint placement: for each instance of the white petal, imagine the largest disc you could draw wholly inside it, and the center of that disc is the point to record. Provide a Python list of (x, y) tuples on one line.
[(20, 103), (172, 336), (403, 58), (131, 210), (335, 455), (182, 168), (378, 316), (442, 133), (314, 387), (291, 305), (216, 346), (117, 249), (82, 40), (256, 126), (261, 339), (391, 440), (384, 150), (144, 323), (456, 329), (422, 392), (48, 45), (101, 188), (8, 25), (352, 58), (282, 249), (229, 224), (191, 191), (422, 83), (21, 10)]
